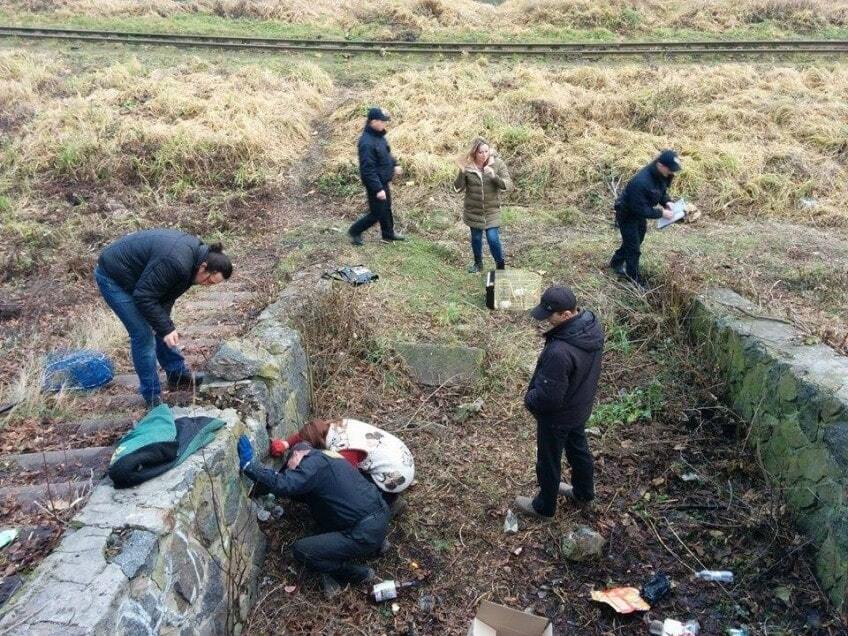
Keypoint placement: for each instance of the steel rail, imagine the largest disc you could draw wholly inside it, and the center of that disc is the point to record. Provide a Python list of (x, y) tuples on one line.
[(566, 49)]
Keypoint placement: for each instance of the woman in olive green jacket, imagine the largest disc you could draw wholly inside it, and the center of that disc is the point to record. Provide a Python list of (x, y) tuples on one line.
[(483, 175)]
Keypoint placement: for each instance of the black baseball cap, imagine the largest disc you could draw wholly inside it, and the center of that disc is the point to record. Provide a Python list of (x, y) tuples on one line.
[(670, 160), (554, 300), (376, 112)]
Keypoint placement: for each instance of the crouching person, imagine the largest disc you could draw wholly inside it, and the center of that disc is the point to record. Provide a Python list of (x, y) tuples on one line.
[(351, 515), (384, 458)]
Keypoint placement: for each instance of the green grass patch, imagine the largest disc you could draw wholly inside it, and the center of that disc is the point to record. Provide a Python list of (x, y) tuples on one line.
[(629, 407)]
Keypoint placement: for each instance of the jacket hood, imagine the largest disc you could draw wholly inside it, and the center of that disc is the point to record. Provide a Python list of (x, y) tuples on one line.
[(583, 331)]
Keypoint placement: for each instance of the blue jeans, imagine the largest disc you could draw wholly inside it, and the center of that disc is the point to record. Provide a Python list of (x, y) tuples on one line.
[(146, 348), (493, 238)]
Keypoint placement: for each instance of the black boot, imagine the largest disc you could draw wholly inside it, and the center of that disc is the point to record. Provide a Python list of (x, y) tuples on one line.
[(500, 265)]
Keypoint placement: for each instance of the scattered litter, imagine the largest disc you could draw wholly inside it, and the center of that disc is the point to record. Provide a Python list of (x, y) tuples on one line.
[(409, 183), (518, 550), (593, 431), (356, 275), (511, 522), (79, 370), (7, 536), (672, 627), (624, 600), (395, 608), (657, 588), (721, 576), (290, 589), (492, 618), (262, 514), (690, 477), (582, 543), (278, 512), (388, 590), (737, 631), (659, 481)]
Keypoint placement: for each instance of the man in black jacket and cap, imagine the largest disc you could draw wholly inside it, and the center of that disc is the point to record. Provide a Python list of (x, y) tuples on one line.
[(351, 515), (560, 396), (644, 197), (377, 168), (140, 276)]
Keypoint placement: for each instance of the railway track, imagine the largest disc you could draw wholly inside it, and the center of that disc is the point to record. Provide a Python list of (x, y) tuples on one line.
[(558, 49)]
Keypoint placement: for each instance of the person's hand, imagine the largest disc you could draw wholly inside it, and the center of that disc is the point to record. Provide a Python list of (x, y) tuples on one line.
[(172, 339), (278, 447), (381, 195), (668, 214), (489, 170), (245, 452), (398, 170)]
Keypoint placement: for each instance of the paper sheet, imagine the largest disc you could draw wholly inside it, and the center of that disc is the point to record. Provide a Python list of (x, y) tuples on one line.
[(678, 209)]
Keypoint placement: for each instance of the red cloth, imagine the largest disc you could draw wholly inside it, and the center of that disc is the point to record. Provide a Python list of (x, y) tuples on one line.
[(353, 456)]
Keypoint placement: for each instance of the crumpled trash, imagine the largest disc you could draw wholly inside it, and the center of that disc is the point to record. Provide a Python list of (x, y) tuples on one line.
[(511, 522), (656, 589), (8, 536), (624, 600), (737, 631)]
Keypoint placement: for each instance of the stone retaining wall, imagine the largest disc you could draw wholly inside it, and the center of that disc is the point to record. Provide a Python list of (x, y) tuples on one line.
[(795, 397), (181, 553)]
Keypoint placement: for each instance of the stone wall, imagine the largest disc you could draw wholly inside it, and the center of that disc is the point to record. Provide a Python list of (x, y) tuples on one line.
[(181, 553), (159, 558), (795, 397)]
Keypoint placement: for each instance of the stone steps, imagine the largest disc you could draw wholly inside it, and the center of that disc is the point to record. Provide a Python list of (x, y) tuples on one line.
[(56, 496), (89, 427), (79, 463)]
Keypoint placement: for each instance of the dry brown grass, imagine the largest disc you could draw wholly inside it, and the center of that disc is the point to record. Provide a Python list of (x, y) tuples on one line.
[(172, 129), (423, 18), (756, 140)]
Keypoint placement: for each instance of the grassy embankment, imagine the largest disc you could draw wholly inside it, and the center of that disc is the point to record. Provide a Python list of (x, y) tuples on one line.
[(91, 153), (465, 20)]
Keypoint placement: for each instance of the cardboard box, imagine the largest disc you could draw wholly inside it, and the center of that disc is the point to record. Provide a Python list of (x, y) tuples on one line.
[(513, 290), (496, 620)]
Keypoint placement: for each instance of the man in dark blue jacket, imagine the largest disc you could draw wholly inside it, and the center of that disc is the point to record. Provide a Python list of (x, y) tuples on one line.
[(644, 197), (560, 396), (351, 516), (140, 276), (377, 168)]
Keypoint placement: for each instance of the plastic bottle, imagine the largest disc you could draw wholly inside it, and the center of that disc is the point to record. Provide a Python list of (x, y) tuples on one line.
[(722, 576), (388, 590)]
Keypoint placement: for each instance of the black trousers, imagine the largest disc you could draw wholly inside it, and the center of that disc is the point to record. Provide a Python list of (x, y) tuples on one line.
[(550, 443), (332, 552), (378, 212), (632, 235)]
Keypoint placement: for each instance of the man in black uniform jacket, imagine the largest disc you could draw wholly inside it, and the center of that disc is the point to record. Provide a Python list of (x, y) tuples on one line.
[(377, 168), (351, 516), (560, 396), (140, 276), (639, 201)]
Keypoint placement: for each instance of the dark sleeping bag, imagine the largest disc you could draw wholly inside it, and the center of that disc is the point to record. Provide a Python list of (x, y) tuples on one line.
[(158, 443)]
